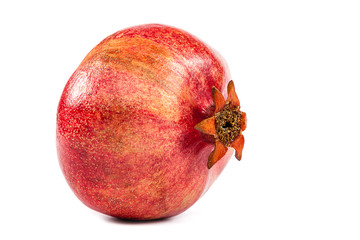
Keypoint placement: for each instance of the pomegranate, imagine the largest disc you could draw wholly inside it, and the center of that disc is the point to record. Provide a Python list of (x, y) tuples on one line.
[(143, 128)]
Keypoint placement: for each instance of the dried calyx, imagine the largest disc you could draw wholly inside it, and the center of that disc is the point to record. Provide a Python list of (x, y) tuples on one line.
[(226, 125)]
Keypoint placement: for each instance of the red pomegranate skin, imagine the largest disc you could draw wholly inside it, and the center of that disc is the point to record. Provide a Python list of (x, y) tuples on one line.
[(125, 123)]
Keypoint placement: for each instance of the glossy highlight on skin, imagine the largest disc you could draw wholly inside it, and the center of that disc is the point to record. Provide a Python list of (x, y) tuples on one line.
[(125, 124)]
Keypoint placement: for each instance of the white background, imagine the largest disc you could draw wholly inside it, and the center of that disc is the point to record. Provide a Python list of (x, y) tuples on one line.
[(296, 65)]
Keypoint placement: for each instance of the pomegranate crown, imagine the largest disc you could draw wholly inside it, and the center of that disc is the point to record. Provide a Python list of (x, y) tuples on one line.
[(226, 125)]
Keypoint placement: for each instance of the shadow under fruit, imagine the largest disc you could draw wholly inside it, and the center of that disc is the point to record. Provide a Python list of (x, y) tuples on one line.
[(143, 127)]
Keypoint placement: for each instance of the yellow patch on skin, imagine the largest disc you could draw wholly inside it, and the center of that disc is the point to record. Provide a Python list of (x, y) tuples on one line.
[(148, 63)]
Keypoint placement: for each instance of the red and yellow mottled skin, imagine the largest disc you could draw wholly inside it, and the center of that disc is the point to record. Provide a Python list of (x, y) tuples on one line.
[(125, 125)]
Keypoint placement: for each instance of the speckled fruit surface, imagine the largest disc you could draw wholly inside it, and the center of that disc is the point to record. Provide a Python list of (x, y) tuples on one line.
[(125, 124)]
